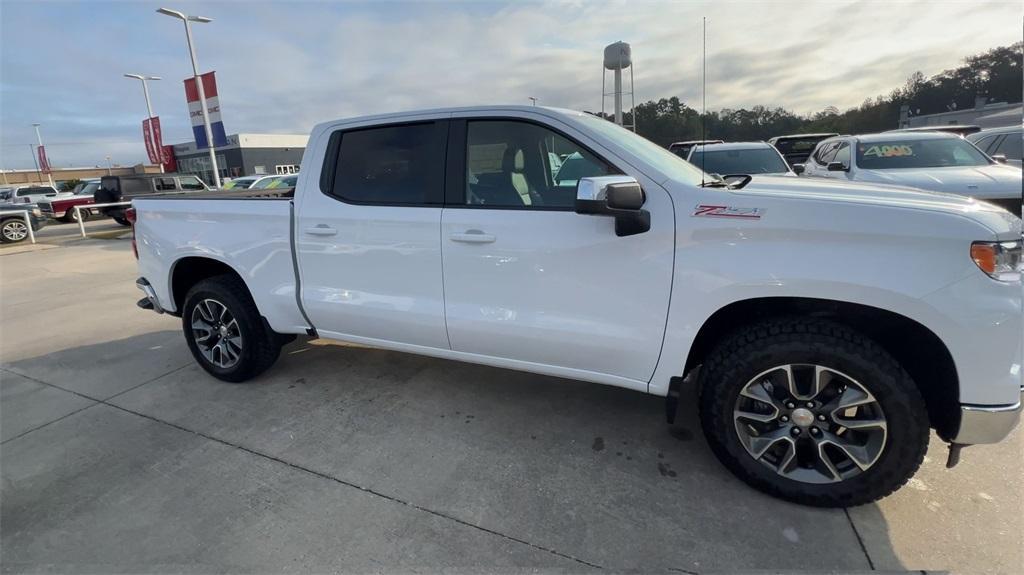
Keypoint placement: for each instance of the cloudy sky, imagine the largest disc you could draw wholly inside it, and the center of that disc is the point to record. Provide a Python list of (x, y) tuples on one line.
[(284, 66)]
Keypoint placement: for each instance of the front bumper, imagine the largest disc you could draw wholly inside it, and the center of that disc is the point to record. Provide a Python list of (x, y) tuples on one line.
[(987, 423)]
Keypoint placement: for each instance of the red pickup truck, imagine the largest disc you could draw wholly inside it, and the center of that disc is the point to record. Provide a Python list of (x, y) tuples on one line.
[(62, 208)]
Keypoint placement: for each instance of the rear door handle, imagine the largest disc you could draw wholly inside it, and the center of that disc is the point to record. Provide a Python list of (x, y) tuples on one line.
[(472, 237), (321, 230)]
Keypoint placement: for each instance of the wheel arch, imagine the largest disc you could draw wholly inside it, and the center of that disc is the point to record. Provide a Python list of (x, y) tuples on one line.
[(190, 270), (914, 346)]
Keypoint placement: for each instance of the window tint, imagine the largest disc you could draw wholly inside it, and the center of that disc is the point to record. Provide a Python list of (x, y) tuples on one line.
[(1010, 147), (523, 165), (391, 165), (190, 183), (165, 184)]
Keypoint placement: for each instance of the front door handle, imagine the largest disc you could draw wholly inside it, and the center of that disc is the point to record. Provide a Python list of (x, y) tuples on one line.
[(472, 237), (321, 230)]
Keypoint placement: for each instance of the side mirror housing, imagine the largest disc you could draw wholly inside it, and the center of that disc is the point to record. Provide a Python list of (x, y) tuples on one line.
[(837, 167), (798, 169), (620, 197), (1001, 158)]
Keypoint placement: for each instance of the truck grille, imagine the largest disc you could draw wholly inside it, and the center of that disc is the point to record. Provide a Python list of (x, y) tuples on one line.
[(46, 208)]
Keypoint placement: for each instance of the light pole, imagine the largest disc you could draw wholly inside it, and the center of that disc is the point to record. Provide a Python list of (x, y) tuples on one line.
[(149, 106), (532, 99), (199, 82), (110, 168), (39, 138)]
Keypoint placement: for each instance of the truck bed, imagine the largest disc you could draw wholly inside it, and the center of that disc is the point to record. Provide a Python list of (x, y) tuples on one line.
[(249, 232)]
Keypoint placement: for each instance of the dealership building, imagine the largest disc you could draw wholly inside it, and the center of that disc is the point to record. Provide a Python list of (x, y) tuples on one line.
[(244, 155)]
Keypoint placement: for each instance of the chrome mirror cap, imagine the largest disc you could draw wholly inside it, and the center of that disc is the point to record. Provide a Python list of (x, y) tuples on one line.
[(596, 188)]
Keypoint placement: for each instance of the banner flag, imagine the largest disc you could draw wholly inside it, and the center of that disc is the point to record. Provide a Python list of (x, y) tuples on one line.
[(44, 165), (147, 135), (195, 111)]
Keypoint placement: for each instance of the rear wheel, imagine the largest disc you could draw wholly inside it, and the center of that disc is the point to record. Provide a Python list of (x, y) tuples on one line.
[(122, 221), (813, 412), (13, 231), (225, 331)]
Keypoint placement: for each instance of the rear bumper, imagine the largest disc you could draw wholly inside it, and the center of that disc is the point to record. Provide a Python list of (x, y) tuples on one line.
[(987, 423), (150, 302)]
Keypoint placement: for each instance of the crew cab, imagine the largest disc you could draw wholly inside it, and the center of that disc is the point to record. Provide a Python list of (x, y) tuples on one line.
[(826, 325)]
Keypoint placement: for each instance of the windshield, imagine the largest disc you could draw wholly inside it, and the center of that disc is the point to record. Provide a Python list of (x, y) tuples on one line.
[(265, 182), (662, 159), (748, 161), (89, 189), (894, 154)]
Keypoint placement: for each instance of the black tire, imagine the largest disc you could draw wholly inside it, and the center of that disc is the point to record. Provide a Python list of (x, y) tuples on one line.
[(261, 345), (11, 230), (750, 352), (122, 221)]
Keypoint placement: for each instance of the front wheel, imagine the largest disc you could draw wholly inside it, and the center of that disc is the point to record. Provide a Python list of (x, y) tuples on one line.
[(225, 332), (13, 231), (811, 411)]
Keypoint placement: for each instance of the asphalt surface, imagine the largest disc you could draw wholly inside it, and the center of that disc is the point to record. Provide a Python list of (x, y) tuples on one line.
[(119, 454)]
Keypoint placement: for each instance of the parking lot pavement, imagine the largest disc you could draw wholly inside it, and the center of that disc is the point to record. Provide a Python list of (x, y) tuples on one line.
[(120, 454)]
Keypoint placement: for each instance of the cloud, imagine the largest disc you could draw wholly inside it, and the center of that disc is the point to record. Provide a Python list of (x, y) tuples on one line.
[(283, 67)]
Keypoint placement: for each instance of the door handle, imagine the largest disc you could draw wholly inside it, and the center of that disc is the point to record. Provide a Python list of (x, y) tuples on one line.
[(472, 237), (321, 230)]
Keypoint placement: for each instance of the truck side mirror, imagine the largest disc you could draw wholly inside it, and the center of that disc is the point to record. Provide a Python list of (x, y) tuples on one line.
[(837, 167), (1000, 158), (620, 197), (798, 169)]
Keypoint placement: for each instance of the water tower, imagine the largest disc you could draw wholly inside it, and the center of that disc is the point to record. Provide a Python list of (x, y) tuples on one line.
[(618, 57)]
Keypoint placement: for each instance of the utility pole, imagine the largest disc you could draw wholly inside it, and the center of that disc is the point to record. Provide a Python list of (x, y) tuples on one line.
[(49, 176), (199, 82)]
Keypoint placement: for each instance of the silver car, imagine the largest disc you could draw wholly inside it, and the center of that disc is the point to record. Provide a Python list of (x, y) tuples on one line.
[(1001, 144), (932, 161)]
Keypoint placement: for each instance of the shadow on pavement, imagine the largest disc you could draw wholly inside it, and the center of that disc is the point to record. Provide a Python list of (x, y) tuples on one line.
[(557, 467)]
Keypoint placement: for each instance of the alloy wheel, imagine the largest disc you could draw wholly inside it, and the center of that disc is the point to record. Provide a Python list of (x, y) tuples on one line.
[(216, 333), (15, 231), (810, 423)]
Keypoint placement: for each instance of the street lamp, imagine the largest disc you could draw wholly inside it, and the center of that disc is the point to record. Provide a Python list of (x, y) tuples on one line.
[(149, 106), (199, 82), (39, 138), (532, 99)]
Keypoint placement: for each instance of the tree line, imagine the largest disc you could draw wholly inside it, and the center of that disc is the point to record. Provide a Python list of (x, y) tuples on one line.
[(995, 74)]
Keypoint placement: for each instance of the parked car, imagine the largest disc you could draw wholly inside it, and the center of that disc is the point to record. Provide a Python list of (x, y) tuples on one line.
[(1001, 144), (271, 182), (115, 189), (62, 209), (12, 223), (245, 182), (958, 129), (797, 147), (734, 158), (932, 161), (32, 194), (682, 149), (826, 324)]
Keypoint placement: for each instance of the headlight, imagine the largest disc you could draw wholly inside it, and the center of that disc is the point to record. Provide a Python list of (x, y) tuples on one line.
[(1000, 260), (37, 212)]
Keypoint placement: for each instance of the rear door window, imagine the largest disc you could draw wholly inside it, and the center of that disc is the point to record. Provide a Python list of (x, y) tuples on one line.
[(164, 184), (390, 165)]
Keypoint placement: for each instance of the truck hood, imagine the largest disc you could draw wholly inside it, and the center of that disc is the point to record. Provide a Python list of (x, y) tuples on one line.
[(992, 181), (991, 216)]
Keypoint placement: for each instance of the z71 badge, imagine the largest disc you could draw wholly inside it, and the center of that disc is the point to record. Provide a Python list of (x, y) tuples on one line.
[(728, 212)]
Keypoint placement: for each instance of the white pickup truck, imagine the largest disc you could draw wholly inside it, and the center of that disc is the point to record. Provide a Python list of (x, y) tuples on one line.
[(827, 325)]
